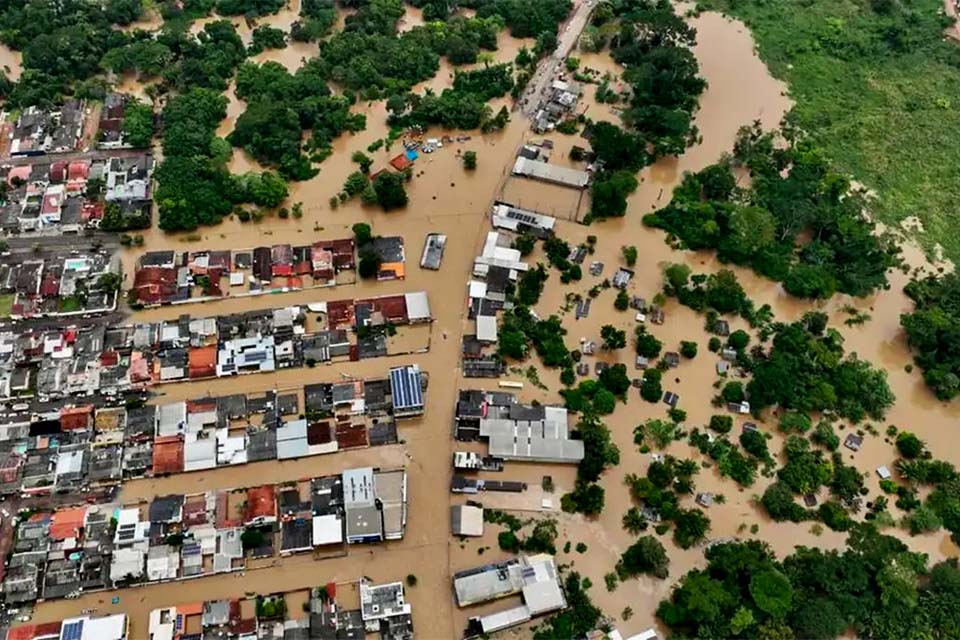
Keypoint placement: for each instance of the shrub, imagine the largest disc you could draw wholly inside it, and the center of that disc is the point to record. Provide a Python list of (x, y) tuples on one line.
[(721, 424), (688, 349)]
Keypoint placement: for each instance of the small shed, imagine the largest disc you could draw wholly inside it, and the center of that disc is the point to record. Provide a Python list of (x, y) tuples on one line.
[(466, 520), (884, 472), (853, 442)]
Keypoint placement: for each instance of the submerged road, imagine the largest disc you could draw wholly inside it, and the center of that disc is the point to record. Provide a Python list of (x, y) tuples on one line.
[(547, 69)]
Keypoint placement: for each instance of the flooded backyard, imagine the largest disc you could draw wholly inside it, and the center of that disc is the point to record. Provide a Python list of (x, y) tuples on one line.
[(446, 199)]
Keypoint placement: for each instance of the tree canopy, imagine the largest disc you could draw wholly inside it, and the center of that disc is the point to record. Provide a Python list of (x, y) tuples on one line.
[(799, 222), (806, 369), (875, 586)]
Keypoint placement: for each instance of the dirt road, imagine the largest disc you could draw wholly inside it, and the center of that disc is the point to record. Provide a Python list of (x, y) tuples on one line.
[(570, 31)]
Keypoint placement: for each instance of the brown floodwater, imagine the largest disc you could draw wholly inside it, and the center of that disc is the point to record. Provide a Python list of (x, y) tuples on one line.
[(445, 198), (11, 62)]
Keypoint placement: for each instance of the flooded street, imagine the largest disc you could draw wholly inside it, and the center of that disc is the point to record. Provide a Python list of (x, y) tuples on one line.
[(444, 198)]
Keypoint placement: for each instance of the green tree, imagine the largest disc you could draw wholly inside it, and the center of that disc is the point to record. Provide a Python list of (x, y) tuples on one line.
[(772, 593), (470, 160), (629, 255), (612, 337), (391, 193), (645, 556)]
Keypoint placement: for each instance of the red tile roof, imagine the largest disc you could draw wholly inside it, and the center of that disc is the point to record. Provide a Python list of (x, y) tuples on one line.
[(167, 455), (261, 503), (400, 162), (66, 523), (203, 361)]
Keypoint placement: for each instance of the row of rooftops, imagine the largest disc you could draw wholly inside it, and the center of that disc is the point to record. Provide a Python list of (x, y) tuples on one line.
[(51, 196), (59, 286), (84, 548), (96, 360), (38, 131), (168, 277), (88, 446), (111, 627), (496, 272), (383, 610)]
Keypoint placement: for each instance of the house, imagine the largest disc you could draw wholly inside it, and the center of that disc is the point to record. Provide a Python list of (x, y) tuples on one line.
[(110, 131), (853, 441), (261, 506), (363, 520), (128, 178), (406, 391)]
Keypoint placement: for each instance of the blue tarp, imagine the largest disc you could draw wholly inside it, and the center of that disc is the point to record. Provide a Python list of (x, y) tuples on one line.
[(412, 154)]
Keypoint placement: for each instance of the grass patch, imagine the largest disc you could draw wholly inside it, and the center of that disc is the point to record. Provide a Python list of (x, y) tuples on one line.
[(70, 304), (6, 305), (878, 88)]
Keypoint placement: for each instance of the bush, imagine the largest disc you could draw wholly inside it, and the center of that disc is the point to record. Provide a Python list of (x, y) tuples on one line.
[(733, 392), (721, 424), (909, 445), (795, 422), (688, 349), (509, 541), (470, 160), (738, 340), (645, 556), (622, 303), (714, 344), (524, 243)]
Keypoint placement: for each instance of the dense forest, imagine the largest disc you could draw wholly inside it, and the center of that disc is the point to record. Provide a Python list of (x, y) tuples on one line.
[(653, 44), (805, 369), (876, 587), (933, 331), (797, 222)]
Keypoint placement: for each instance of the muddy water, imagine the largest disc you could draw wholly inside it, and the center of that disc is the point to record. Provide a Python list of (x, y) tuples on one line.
[(11, 62), (445, 198)]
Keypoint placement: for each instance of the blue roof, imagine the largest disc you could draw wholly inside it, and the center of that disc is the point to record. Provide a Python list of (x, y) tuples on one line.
[(405, 387), (412, 154), (72, 630)]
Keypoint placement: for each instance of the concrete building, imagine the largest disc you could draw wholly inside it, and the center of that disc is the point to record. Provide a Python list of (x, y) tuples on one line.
[(466, 520), (552, 173), (535, 578), (530, 433)]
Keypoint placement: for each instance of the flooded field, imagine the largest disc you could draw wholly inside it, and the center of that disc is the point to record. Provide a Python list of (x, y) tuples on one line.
[(446, 199)]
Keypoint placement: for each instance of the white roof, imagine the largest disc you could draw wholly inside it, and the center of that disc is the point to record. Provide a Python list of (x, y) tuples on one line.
[(418, 307), (504, 619), (477, 289), (160, 630), (466, 520), (551, 173), (487, 328), (199, 454), (649, 634), (106, 628), (70, 462), (543, 597), (327, 529)]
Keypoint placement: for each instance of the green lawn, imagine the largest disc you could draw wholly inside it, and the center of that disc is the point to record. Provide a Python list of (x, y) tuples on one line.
[(878, 88), (6, 305)]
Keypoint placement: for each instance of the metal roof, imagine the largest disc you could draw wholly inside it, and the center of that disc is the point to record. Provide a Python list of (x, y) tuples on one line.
[(405, 387)]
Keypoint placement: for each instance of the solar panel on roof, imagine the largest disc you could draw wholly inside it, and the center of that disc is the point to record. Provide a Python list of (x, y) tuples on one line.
[(72, 630)]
